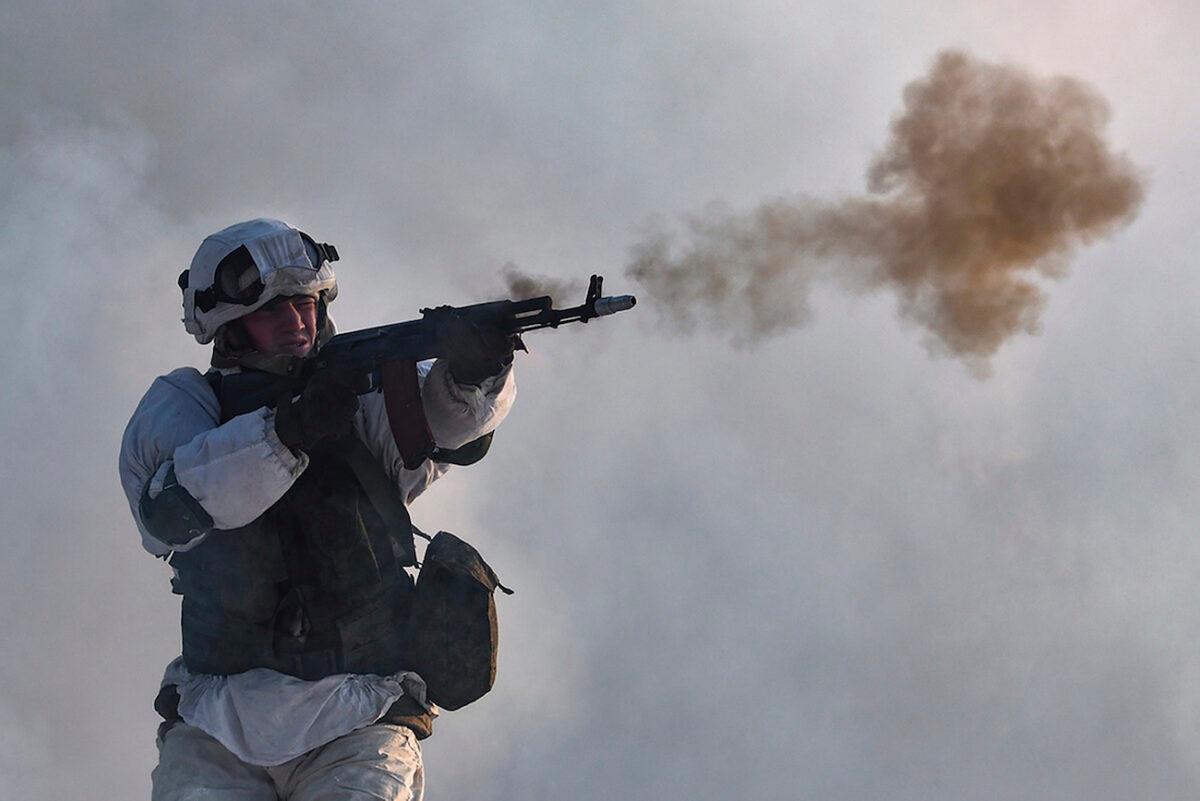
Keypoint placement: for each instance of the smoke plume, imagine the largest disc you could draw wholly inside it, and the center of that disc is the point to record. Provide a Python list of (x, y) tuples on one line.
[(991, 178), (522, 285)]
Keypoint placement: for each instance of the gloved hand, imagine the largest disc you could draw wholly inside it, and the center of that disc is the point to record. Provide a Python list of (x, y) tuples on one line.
[(475, 351), (325, 409)]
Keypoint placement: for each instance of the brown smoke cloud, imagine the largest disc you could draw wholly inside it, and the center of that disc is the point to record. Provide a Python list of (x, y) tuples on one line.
[(522, 286), (991, 178)]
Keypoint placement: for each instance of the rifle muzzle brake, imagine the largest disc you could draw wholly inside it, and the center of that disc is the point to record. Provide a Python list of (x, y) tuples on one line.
[(614, 304)]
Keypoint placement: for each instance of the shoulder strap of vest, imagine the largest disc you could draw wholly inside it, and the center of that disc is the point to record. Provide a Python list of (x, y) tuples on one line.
[(383, 493)]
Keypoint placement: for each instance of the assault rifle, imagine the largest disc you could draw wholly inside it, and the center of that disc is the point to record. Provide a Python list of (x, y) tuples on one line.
[(384, 358)]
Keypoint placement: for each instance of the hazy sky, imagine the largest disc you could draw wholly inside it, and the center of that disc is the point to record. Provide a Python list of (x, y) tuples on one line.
[(828, 567)]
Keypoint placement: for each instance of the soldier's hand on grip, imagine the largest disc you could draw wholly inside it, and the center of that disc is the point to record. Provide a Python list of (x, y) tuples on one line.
[(475, 350), (325, 409)]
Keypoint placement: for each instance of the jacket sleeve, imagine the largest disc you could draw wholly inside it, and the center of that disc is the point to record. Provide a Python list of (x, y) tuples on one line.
[(235, 471), (457, 414)]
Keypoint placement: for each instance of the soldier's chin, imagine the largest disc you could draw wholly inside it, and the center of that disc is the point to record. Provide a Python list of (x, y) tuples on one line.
[(298, 349)]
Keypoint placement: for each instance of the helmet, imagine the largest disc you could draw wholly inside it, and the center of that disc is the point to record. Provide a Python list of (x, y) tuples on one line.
[(245, 266)]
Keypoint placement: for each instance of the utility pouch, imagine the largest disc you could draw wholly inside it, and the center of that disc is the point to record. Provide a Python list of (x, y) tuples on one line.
[(452, 631)]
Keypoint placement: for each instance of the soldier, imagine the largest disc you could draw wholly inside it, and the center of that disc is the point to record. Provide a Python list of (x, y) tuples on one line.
[(293, 682)]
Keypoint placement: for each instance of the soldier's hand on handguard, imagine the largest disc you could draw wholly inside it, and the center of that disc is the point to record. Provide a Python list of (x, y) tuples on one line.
[(475, 351), (325, 409)]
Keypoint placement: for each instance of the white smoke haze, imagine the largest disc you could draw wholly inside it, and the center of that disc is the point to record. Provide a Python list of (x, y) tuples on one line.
[(73, 213), (825, 566)]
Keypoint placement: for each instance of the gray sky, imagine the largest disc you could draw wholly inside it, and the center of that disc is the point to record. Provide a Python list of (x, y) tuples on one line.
[(829, 567)]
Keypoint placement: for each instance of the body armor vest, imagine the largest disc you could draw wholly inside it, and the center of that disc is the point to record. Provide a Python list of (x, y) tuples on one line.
[(311, 588)]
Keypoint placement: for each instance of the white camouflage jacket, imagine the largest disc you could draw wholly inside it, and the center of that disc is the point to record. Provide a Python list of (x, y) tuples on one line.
[(238, 470)]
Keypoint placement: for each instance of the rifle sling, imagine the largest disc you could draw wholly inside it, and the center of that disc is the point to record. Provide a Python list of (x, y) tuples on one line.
[(405, 412)]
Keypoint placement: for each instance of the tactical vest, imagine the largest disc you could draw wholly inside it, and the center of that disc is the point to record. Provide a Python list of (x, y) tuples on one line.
[(311, 588)]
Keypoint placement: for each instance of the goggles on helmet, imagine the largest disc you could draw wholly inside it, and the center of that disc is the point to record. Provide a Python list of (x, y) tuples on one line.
[(238, 280)]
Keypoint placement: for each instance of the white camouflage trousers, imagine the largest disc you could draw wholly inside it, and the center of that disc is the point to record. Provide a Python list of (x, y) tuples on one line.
[(380, 762)]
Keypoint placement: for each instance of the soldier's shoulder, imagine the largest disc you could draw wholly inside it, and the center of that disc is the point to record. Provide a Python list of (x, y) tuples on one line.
[(176, 405), (183, 385)]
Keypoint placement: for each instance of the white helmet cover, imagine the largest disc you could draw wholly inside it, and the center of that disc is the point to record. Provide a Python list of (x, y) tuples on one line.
[(285, 263)]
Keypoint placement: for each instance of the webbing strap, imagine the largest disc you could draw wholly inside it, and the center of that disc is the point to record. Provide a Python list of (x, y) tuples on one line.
[(405, 412), (383, 494)]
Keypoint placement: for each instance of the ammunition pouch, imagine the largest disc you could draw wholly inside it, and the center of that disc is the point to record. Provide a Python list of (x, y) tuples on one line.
[(453, 637)]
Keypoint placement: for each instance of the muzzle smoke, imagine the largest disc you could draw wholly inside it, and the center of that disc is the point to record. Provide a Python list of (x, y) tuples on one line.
[(522, 285), (991, 178)]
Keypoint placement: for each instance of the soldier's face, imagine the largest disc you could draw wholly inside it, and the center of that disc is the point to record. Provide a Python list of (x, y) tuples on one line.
[(286, 326)]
